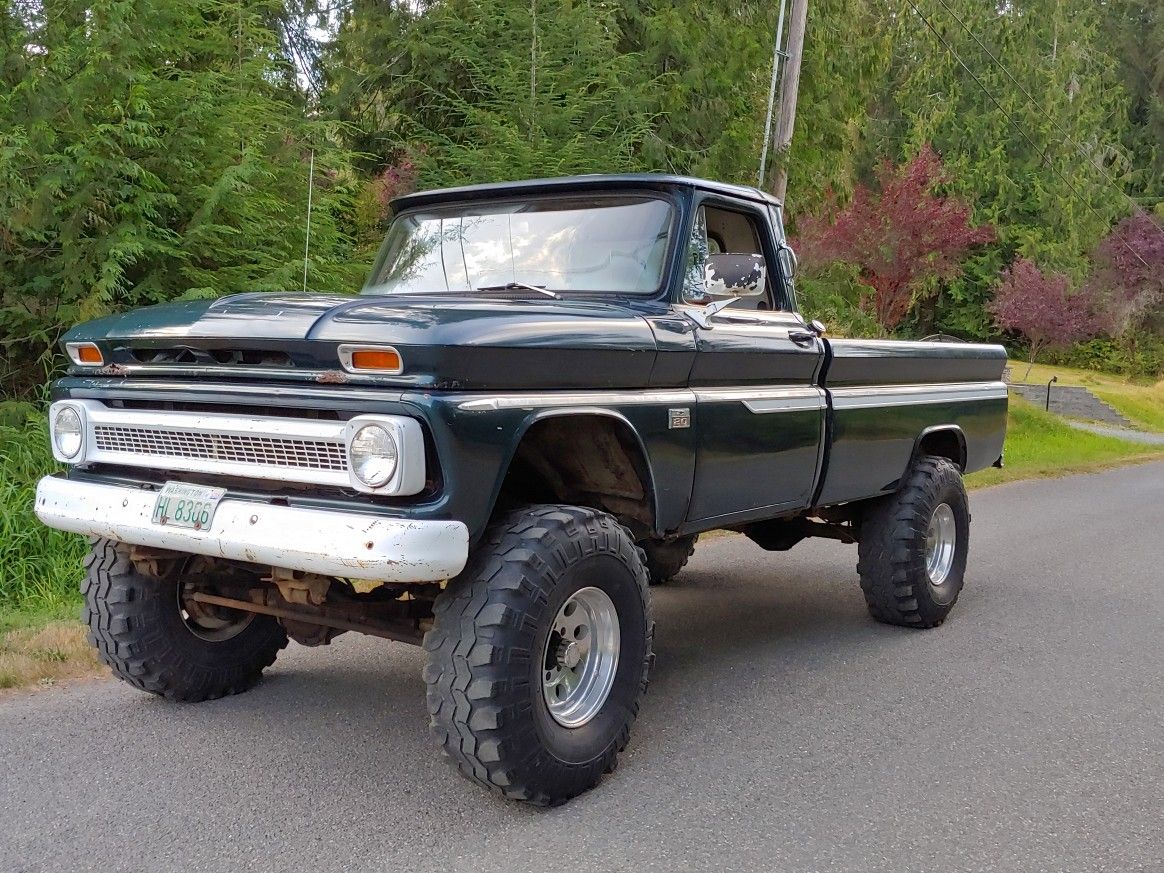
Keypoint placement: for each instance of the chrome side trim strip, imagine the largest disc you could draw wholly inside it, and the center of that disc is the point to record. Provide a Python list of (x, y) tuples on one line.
[(758, 400), (871, 396), (578, 398), (766, 400), (763, 407)]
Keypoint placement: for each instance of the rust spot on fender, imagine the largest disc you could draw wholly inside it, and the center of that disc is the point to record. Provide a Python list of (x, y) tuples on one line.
[(331, 377), (113, 370)]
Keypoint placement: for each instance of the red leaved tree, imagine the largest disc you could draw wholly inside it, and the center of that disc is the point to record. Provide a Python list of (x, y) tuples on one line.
[(1042, 308), (899, 238), (1128, 280)]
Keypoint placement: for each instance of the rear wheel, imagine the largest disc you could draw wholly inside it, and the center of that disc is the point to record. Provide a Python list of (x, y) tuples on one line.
[(913, 546), (154, 636), (539, 653)]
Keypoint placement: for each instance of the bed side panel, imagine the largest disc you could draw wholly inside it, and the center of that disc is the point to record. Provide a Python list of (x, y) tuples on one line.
[(884, 393)]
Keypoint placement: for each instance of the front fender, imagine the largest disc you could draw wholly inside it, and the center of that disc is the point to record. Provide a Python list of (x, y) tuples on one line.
[(477, 438)]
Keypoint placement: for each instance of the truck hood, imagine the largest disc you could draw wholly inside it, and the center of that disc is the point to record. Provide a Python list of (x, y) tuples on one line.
[(445, 342)]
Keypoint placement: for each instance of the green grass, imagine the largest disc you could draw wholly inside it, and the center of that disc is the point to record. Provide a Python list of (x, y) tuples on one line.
[(1040, 444), (41, 640), (39, 567)]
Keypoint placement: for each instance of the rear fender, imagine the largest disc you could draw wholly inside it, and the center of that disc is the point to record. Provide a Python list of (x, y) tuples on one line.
[(942, 440)]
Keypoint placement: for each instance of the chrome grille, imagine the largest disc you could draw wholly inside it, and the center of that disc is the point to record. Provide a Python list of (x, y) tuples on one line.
[(308, 454)]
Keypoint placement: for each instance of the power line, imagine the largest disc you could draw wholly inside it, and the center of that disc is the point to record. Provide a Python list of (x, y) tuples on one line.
[(1136, 206), (1015, 125)]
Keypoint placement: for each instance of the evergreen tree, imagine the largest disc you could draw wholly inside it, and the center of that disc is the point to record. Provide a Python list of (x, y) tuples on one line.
[(152, 150), (846, 57), (485, 90), (362, 70), (1133, 37), (710, 63)]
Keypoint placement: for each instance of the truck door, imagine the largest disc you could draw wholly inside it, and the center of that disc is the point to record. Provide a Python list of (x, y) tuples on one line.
[(760, 414)]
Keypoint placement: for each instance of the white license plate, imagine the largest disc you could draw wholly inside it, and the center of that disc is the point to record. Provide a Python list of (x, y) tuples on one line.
[(182, 505)]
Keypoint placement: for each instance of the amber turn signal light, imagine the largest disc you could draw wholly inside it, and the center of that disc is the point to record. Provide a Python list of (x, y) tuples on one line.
[(85, 354), (370, 359)]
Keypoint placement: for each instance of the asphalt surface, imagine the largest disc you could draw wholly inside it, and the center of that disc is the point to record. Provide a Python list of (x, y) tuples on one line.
[(784, 730)]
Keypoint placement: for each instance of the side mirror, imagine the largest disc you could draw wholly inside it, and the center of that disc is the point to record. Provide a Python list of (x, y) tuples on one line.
[(789, 263), (735, 275)]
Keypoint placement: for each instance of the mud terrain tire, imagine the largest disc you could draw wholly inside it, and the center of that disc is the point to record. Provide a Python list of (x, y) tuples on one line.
[(139, 629), (496, 626), (899, 536)]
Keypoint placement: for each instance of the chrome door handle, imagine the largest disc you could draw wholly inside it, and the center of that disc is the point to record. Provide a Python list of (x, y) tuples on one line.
[(802, 337)]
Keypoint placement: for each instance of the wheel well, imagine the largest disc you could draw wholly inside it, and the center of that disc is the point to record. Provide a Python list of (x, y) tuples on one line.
[(590, 460), (946, 442)]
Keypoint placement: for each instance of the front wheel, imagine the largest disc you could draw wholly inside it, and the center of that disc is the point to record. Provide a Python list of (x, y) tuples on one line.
[(913, 546), (539, 653), (156, 638)]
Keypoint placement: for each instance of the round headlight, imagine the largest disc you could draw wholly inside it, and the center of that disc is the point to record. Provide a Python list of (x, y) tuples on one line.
[(373, 455), (67, 432)]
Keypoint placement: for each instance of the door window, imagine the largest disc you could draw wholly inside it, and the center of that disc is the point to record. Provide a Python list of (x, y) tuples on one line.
[(719, 233)]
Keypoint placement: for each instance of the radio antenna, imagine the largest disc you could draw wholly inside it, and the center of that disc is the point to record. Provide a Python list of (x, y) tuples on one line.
[(307, 236)]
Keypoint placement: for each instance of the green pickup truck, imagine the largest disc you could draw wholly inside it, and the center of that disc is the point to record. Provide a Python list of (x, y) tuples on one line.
[(544, 393)]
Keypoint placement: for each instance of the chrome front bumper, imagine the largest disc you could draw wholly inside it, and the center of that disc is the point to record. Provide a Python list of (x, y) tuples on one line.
[(347, 544)]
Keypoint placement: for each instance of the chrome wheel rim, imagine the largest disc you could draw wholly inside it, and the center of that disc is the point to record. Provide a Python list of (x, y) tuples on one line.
[(581, 657), (941, 543)]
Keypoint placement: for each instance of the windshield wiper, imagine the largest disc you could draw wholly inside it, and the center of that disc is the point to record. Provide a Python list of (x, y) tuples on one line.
[(514, 286)]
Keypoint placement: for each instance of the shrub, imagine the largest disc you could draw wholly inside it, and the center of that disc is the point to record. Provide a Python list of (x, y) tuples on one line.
[(1137, 354), (835, 295)]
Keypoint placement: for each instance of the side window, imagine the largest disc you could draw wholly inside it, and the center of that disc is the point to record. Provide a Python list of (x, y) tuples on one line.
[(698, 250), (726, 238)]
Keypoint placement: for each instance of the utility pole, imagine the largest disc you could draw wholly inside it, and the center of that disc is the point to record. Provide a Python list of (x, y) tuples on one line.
[(777, 53), (789, 86)]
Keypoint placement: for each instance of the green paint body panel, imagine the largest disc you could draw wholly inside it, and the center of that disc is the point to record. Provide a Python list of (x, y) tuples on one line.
[(777, 423)]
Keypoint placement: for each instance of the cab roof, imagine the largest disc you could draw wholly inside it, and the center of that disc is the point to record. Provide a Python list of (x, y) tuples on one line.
[(566, 184)]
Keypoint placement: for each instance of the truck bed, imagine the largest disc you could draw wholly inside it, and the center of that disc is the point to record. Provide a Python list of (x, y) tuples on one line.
[(885, 395)]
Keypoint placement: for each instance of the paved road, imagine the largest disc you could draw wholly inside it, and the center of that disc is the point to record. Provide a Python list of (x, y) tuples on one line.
[(784, 731)]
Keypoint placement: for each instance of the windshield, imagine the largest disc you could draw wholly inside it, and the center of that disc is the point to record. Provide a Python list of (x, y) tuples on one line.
[(576, 244)]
